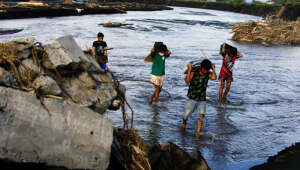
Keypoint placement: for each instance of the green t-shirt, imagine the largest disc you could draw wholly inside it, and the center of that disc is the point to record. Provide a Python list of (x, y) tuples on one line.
[(197, 87), (158, 65)]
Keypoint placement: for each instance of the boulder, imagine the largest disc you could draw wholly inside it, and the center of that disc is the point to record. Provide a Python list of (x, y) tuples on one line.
[(23, 47), (55, 132), (46, 85), (169, 156), (288, 158), (30, 71), (6, 78), (28, 63), (64, 52), (97, 95)]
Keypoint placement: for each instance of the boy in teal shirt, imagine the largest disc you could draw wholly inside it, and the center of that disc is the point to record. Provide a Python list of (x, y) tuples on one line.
[(159, 54)]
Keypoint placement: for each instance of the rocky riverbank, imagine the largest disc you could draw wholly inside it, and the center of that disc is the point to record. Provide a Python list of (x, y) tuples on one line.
[(56, 10), (289, 158), (51, 100)]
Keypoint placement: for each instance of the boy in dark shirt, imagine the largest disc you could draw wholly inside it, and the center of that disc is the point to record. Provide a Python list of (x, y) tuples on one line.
[(99, 51), (196, 102)]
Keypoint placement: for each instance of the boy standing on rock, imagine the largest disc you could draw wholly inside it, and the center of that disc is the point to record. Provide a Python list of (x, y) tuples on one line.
[(230, 54), (99, 51), (159, 54), (197, 80)]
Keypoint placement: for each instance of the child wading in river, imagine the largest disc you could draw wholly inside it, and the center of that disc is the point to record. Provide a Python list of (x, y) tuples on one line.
[(230, 54), (197, 80), (158, 54)]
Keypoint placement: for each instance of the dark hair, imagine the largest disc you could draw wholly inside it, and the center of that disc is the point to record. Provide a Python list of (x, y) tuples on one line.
[(100, 34), (206, 64)]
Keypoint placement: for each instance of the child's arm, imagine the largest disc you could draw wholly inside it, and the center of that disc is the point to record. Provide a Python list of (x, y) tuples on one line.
[(189, 75), (213, 75), (94, 52), (168, 53)]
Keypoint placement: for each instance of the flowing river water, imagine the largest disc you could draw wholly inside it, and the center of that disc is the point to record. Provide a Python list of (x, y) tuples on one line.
[(266, 80)]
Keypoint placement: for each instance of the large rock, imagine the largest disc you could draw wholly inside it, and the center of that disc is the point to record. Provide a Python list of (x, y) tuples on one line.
[(288, 158), (97, 95), (23, 47), (6, 78), (55, 132), (46, 85), (169, 156), (64, 52)]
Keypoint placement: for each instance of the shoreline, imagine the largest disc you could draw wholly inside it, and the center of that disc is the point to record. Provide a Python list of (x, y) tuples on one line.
[(58, 10), (292, 11)]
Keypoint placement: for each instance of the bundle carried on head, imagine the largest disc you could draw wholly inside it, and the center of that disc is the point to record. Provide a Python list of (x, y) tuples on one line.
[(228, 49), (157, 47), (160, 46), (195, 65)]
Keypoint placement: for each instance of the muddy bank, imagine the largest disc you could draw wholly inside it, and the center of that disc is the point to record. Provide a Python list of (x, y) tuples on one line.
[(289, 158), (271, 32), (56, 10)]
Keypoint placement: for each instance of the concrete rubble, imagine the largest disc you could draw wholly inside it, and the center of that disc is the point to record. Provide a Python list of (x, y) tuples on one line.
[(51, 102)]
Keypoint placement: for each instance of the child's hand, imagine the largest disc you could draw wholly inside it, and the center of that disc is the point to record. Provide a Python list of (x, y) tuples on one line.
[(239, 55), (213, 67)]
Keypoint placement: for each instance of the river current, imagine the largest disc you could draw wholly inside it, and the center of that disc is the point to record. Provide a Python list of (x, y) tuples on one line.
[(266, 80)]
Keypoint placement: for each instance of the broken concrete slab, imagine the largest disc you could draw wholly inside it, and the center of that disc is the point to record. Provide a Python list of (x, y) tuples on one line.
[(46, 85), (84, 90), (6, 78), (64, 51), (63, 134)]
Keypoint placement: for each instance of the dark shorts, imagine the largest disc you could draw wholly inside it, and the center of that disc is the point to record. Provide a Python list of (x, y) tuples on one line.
[(225, 77), (103, 66)]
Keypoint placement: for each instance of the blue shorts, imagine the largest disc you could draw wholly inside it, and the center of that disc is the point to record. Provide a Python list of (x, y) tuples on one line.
[(192, 106), (103, 66)]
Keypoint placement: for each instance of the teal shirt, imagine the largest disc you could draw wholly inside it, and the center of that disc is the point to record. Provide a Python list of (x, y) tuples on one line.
[(158, 65)]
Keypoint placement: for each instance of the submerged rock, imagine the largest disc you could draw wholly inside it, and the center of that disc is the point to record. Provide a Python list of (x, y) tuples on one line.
[(112, 24), (52, 132)]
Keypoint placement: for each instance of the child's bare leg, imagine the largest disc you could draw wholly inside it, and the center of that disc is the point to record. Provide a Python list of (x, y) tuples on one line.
[(221, 91), (151, 98), (199, 123), (156, 93), (228, 84), (183, 126)]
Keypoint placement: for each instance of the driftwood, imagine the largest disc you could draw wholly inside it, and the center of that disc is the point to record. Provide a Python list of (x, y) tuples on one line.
[(272, 31)]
